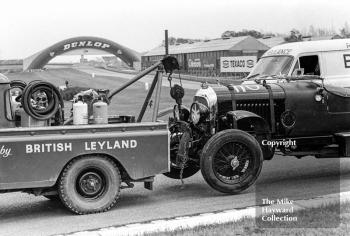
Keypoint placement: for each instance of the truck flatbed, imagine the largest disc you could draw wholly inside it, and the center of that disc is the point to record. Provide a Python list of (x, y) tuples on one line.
[(37, 155)]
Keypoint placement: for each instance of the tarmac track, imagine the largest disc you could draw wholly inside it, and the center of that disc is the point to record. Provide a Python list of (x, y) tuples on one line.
[(23, 214)]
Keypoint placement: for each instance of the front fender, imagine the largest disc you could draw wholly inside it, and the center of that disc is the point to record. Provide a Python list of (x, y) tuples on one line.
[(252, 123), (247, 121)]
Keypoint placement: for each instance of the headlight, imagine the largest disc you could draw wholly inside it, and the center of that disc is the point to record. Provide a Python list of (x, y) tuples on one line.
[(199, 112), (195, 113)]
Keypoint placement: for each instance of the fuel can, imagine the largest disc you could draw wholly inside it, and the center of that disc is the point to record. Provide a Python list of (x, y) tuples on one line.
[(28, 121), (80, 113), (100, 112)]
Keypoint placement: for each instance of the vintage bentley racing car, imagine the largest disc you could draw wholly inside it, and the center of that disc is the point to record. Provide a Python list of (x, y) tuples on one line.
[(229, 130)]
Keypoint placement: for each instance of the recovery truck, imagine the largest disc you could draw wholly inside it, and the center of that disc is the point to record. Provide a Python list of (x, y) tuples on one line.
[(85, 166)]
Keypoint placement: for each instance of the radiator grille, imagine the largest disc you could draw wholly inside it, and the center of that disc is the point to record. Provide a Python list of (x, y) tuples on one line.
[(259, 107)]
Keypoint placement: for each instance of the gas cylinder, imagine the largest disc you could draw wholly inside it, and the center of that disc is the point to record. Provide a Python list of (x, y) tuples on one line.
[(100, 112), (28, 121), (80, 112)]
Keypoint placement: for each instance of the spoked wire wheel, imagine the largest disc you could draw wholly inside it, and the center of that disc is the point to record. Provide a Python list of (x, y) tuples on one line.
[(231, 161)]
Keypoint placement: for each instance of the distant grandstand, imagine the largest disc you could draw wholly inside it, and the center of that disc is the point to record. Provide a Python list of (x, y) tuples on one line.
[(7, 66)]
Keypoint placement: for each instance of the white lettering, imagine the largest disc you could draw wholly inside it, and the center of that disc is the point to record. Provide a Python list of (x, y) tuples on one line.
[(236, 88), (87, 148), (97, 44), (101, 144), (110, 145), (125, 143), (85, 44), (105, 45), (133, 143), (68, 147), (29, 148), (116, 145), (252, 87), (243, 89), (60, 147), (277, 143), (36, 147), (93, 145), (5, 152), (82, 43), (66, 47), (49, 147)]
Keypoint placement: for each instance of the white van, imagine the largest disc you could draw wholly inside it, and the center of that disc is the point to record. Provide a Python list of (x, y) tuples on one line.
[(328, 58)]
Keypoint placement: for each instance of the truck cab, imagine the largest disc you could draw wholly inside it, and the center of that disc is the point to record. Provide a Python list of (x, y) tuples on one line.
[(329, 59)]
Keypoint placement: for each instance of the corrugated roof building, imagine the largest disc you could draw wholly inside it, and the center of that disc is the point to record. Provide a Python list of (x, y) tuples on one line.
[(203, 58), (272, 41)]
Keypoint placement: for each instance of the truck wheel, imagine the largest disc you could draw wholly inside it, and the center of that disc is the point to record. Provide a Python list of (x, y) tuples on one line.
[(90, 184), (231, 161)]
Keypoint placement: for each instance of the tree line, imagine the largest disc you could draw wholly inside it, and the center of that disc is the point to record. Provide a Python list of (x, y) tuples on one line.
[(293, 36)]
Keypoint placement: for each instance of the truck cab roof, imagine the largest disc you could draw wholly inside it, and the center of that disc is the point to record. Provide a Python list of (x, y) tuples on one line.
[(4, 79), (294, 49)]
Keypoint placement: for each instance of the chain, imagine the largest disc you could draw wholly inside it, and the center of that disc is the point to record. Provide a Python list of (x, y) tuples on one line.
[(184, 160), (170, 79)]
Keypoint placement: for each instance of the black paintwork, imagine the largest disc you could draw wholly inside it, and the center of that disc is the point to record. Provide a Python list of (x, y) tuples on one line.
[(313, 118)]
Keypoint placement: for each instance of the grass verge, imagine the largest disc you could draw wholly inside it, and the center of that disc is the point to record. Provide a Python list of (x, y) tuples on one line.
[(311, 216)]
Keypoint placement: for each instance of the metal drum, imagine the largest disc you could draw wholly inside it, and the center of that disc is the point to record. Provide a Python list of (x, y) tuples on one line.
[(100, 112), (80, 113)]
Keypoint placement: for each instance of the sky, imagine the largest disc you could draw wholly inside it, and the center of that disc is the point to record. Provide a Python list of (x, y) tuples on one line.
[(27, 27)]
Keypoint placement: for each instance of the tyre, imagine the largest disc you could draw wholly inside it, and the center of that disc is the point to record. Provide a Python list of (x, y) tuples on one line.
[(90, 184), (190, 167), (231, 161)]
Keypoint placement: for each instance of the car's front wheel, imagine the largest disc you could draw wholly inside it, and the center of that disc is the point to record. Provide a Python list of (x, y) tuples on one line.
[(231, 161)]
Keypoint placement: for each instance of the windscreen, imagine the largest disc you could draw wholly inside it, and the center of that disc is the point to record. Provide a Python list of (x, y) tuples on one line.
[(274, 65)]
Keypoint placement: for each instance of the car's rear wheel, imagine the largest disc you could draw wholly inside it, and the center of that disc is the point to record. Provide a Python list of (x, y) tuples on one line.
[(231, 161), (90, 184), (190, 167)]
